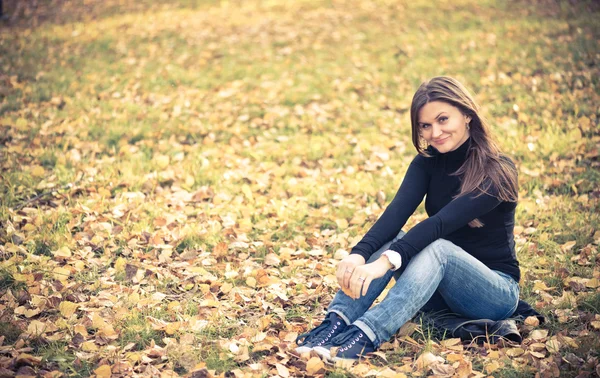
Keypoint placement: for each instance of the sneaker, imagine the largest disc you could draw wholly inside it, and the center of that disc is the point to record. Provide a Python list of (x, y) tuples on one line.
[(351, 345), (332, 326)]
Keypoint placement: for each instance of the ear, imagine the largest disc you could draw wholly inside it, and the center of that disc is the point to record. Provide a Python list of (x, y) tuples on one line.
[(467, 118)]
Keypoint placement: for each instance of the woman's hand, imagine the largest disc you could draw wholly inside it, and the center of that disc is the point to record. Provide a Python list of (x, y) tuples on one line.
[(345, 269), (363, 276)]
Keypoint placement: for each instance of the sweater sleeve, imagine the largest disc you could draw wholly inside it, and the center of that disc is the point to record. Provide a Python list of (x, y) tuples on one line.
[(456, 214), (405, 202)]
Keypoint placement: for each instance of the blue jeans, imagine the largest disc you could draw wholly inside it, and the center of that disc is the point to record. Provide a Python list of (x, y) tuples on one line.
[(440, 277)]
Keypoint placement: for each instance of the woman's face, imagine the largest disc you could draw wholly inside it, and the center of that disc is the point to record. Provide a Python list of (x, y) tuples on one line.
[(443, 126)]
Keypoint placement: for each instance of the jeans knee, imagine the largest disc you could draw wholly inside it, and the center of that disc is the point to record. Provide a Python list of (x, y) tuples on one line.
[(438, 249)]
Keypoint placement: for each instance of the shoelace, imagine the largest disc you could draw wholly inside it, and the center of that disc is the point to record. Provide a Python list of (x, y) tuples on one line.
[(324, 341), (306, 337), (348, 338)]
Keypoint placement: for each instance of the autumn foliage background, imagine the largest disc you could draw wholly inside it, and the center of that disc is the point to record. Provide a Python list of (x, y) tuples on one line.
[(179, 179)]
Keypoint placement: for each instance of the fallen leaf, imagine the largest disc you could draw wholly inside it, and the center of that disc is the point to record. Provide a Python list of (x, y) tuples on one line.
[(426, 359), (532, 321), (67, 309), (314, 365), (568, 246), (538, 334), (492, 367), (103, 372), (514, 352), (282, 370)]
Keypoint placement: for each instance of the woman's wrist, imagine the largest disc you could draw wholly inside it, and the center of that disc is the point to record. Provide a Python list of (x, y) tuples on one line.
[(386, 262), (393, 258)]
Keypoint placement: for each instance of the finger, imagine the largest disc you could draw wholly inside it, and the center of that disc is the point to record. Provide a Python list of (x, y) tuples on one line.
[(357, 283), (366, 285), (347, 277), (339, 274)]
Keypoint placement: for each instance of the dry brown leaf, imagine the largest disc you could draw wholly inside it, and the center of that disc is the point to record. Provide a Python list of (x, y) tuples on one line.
[(532, 321), (272, 259), (538, 334), (314, 365), (427, 359), (282, 370)]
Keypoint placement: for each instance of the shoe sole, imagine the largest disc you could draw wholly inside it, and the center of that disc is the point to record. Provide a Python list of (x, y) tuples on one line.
[(325, 353), (303, 349)]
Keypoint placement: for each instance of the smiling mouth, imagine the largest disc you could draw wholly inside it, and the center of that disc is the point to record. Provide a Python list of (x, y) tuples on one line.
[(441, 140)]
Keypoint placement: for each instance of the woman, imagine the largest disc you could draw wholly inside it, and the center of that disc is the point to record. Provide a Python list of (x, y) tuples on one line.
[(462, 258)]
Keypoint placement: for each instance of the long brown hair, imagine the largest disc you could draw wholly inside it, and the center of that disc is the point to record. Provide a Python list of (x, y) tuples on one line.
[(485, 163)]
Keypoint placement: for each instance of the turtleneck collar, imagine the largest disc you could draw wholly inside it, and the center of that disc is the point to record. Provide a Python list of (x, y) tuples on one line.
[(460, 154)]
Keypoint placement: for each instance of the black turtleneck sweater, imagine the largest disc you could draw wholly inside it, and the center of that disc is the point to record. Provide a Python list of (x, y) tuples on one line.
[(493, 244)]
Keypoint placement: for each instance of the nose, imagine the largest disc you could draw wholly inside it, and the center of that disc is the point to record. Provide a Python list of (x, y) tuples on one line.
[(436, 131)]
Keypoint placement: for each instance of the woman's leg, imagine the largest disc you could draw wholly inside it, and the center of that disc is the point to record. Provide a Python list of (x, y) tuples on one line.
[(351, 309), (466, 285)]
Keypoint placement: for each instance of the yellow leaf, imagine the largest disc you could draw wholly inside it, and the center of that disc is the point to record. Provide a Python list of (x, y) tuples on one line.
[(61, 274), (67, 309), (210, 303), (314, 365), (103, 372), (552, 345), (104, 329), (89, 346), (189, 181), (282, 370), (120, 264), (36, 327), (568, 246), (38, 171), (541, 286), (514, 352), (31, 312), (341, 223), (251, 281), (247, 192), (174, 306), (492, 367), (133, 357), (172, 328), (454, 358), (593, 283), (62, 253), (162, 161), (80, 328), (595, 324)]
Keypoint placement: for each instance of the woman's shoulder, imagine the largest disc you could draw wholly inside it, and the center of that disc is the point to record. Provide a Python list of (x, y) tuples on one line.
[(425, 161)]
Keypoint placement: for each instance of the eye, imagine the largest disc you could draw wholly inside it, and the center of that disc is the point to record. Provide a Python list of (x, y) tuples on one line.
[(424, 126), (443, 119)]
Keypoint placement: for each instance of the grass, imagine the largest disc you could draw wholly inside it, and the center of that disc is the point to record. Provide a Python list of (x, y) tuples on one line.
[(270, 125)]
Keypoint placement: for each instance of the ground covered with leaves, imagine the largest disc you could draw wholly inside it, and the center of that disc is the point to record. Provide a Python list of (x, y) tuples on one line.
[(179, 180)]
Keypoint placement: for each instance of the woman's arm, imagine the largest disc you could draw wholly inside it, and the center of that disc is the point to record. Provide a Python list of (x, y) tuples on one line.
[(450, 218), (409, 196)]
